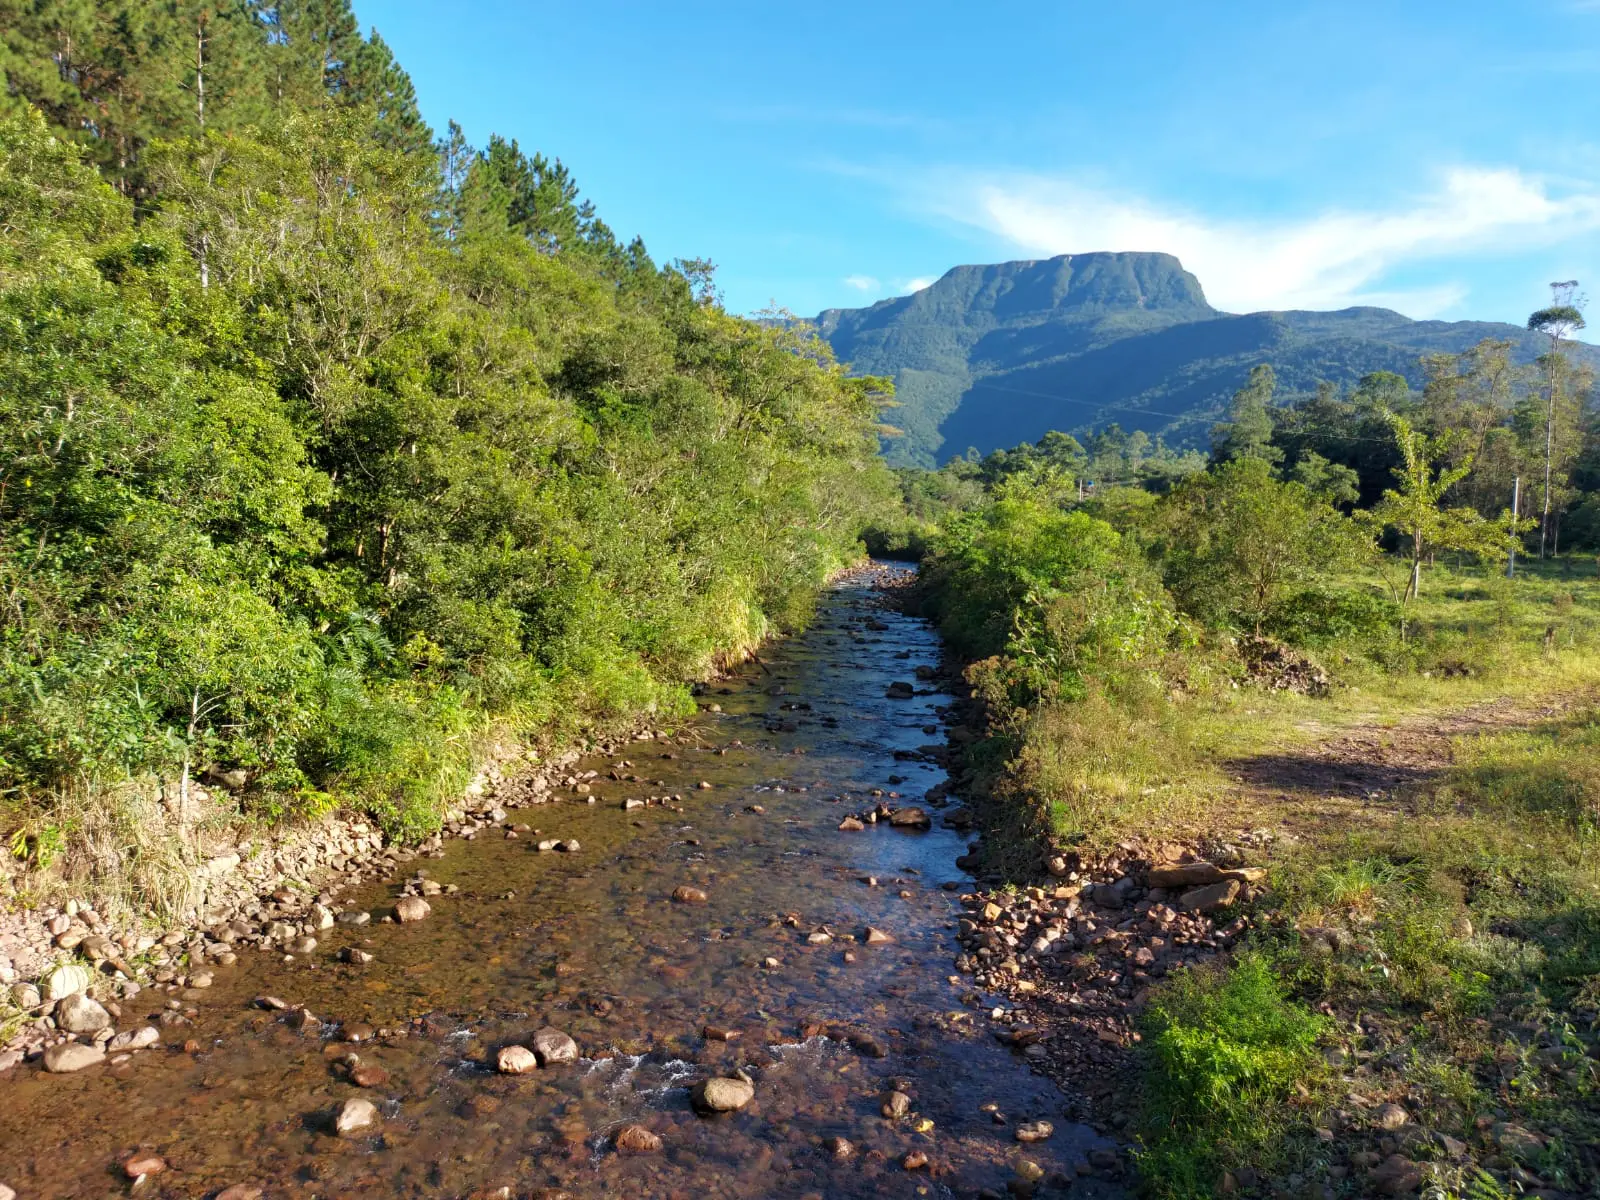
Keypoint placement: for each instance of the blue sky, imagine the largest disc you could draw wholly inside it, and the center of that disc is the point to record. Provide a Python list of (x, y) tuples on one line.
[(1438, 158)]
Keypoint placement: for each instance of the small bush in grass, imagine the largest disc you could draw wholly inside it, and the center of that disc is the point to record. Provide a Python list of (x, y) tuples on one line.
[(1348, 618), (1225, 1047)]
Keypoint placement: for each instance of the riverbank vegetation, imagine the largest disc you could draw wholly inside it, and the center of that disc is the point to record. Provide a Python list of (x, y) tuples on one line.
[(329, 448), (1313, 638)]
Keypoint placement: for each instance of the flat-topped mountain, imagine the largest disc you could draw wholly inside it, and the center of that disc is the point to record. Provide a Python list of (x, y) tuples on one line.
[(989, 356)]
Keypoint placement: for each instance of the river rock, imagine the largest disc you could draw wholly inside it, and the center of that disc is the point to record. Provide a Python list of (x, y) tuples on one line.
[(910, 818), (851, 825), (553, 1047), (66, 1057), (354, 1115), (1209, 898), (78, 1013), (1034, 1131), (636, 1139), (684, 894), (241, 1191), (876, 937), (1184, 875), (516, 1060), (722, 1095), (63, 981), (895, 1105), (411, 908), (134, 1039), (7, 1192), (865, 1043), (839, 1147), (369, 1075), (1392, 1116), (300, 1019), (900, 690), (143, 1164)]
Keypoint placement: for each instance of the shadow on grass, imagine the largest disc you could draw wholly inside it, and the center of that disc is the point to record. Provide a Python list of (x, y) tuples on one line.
[(1322, 774)]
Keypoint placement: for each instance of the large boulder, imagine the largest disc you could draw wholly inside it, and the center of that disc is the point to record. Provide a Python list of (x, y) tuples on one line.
[(722, 1095), (67, 1057), (1211, 897), (60, 982), (552, 1046), (411, 908), (355, 1115), (636, 1139), (78, 1013), (1184, 875), (516, 1060)]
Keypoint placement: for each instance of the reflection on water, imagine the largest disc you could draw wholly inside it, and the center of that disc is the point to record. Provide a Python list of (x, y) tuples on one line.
[(657, 994)]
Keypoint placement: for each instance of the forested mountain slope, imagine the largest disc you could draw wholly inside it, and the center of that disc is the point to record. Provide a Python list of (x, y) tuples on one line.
[(990, 356)]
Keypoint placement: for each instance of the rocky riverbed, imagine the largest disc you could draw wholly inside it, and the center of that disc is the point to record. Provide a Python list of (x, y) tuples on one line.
[(716, 963)]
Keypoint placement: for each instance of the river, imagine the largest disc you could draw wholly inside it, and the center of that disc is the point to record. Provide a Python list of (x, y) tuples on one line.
[(591, 943)]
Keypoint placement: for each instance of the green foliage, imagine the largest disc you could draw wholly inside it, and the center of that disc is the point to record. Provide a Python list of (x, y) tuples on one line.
[(1223, 1048), (1058, 594), (1329, 481), (293, 480), (1415, 508), (1248, 431), (117, 77), (1359, 621), (1236, 540)]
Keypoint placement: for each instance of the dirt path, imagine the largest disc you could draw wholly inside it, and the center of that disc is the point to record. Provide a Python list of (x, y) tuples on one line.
[(1378, 765)]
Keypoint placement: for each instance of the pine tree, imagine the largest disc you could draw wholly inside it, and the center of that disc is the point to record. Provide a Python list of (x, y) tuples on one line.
[(1248, 431), (378, 83)]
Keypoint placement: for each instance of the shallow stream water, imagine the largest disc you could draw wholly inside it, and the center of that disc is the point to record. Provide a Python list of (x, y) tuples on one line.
[(590, 943)]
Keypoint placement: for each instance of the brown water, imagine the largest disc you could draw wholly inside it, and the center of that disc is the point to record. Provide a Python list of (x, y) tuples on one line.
[(590, 943)]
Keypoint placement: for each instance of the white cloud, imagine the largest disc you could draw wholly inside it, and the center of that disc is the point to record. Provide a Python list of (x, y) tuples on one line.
[(916, 285), (862, 283), (1332, 259)]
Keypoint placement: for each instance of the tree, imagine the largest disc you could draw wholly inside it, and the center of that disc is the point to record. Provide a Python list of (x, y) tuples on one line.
[(1563, 318), (1414, 510), (1237, 539), (1248, 431), (379, 84), (1329, 481)]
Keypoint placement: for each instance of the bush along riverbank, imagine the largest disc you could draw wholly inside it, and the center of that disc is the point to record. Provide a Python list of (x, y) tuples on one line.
[(325, 468), (269, 888), (1292, 914)]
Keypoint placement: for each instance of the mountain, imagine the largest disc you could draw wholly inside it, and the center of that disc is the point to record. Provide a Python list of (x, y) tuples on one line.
[(990, 356)]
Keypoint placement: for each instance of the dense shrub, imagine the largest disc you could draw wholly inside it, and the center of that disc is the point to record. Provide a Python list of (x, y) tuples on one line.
[(320, 467), (1320, 617), (1224, 1045), (1058, 595)]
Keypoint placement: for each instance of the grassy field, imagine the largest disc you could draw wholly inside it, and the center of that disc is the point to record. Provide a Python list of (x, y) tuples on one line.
[(1430, 933)]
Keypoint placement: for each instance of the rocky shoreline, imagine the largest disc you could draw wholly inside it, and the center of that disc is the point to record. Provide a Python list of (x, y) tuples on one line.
[(271, 890)]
